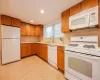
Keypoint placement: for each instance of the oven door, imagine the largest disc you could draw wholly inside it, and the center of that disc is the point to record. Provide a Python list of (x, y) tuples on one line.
[(81, 66)]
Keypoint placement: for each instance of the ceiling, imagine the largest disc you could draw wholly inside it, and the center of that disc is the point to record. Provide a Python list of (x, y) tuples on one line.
[(28, 10)]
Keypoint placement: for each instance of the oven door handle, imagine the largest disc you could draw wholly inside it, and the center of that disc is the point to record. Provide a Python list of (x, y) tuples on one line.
[(91, 57), (85, 55)]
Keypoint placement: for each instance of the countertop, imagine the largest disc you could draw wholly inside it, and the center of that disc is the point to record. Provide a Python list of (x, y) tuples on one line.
[(56, 44)]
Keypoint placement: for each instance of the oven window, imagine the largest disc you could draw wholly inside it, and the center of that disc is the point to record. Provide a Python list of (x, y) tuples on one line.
[(80, 66)]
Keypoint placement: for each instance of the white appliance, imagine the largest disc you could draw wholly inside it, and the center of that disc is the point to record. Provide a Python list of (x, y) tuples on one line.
[(52, 55), (10, 44), (87, 18), (82, 58)]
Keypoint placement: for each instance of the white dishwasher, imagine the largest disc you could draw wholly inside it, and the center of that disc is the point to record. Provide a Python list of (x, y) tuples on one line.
[(52, 55)]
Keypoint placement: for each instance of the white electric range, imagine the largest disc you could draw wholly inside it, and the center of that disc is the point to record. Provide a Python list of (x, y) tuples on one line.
[(82, 58)]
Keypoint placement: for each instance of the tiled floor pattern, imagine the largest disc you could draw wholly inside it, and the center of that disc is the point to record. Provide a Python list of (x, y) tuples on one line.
[(31, 68)]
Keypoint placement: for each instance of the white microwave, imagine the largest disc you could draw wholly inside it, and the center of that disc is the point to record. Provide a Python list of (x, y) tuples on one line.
[(87, 18)]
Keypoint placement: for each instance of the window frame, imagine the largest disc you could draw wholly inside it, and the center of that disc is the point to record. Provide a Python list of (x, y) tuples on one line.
[(53, 30)]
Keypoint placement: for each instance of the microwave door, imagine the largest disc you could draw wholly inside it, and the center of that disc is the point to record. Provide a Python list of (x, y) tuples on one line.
[(78, 22)]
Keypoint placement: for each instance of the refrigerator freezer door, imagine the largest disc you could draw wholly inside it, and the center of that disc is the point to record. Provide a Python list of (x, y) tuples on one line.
[(10, 50), (10, 32)]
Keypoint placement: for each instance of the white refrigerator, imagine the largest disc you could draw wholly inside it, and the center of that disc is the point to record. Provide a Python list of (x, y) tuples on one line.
[(10, 44)]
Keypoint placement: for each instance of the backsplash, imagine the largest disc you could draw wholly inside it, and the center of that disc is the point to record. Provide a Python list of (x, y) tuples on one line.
[(84, 32), (66, 38), (29, 39), (56, 40)]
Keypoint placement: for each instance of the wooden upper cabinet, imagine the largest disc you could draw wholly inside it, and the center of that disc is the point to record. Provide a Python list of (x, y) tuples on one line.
[(6, 20), (37, 31), (28, 29), (23, 29), (32, 30), (41, 30), (15, 22), (75, 9), (86, 4), (65, 21)]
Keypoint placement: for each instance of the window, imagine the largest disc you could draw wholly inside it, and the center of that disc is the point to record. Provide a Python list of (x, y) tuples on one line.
[(53, 30), (48, 32), (57, 30)]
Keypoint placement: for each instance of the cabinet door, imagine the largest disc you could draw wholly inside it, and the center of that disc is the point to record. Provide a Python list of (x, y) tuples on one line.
[(65, 21), (29, 50), (37, 31), (24, 50), (33, 48), (15, 22), (60, 61), (41, 30), (5, 20), (40, 51), (28, 29), (32, 30), (45, 53), (75, 9), (23, 29), (37, 49), (60, 58), (86, 4)]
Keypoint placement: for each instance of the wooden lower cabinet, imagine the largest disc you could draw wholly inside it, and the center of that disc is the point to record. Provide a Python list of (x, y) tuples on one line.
[(40, 50), (34, 48), (25, 50), (45, 52), (60, 57)]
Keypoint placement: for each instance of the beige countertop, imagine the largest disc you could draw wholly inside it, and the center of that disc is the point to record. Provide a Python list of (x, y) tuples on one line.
[(27, 42), (56, 44)]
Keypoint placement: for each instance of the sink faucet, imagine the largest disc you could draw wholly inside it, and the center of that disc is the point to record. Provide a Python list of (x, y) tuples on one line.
[(52, 38)]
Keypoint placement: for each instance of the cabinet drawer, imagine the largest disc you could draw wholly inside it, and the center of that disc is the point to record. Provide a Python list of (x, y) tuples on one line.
[(45, 45), (60, 48)]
